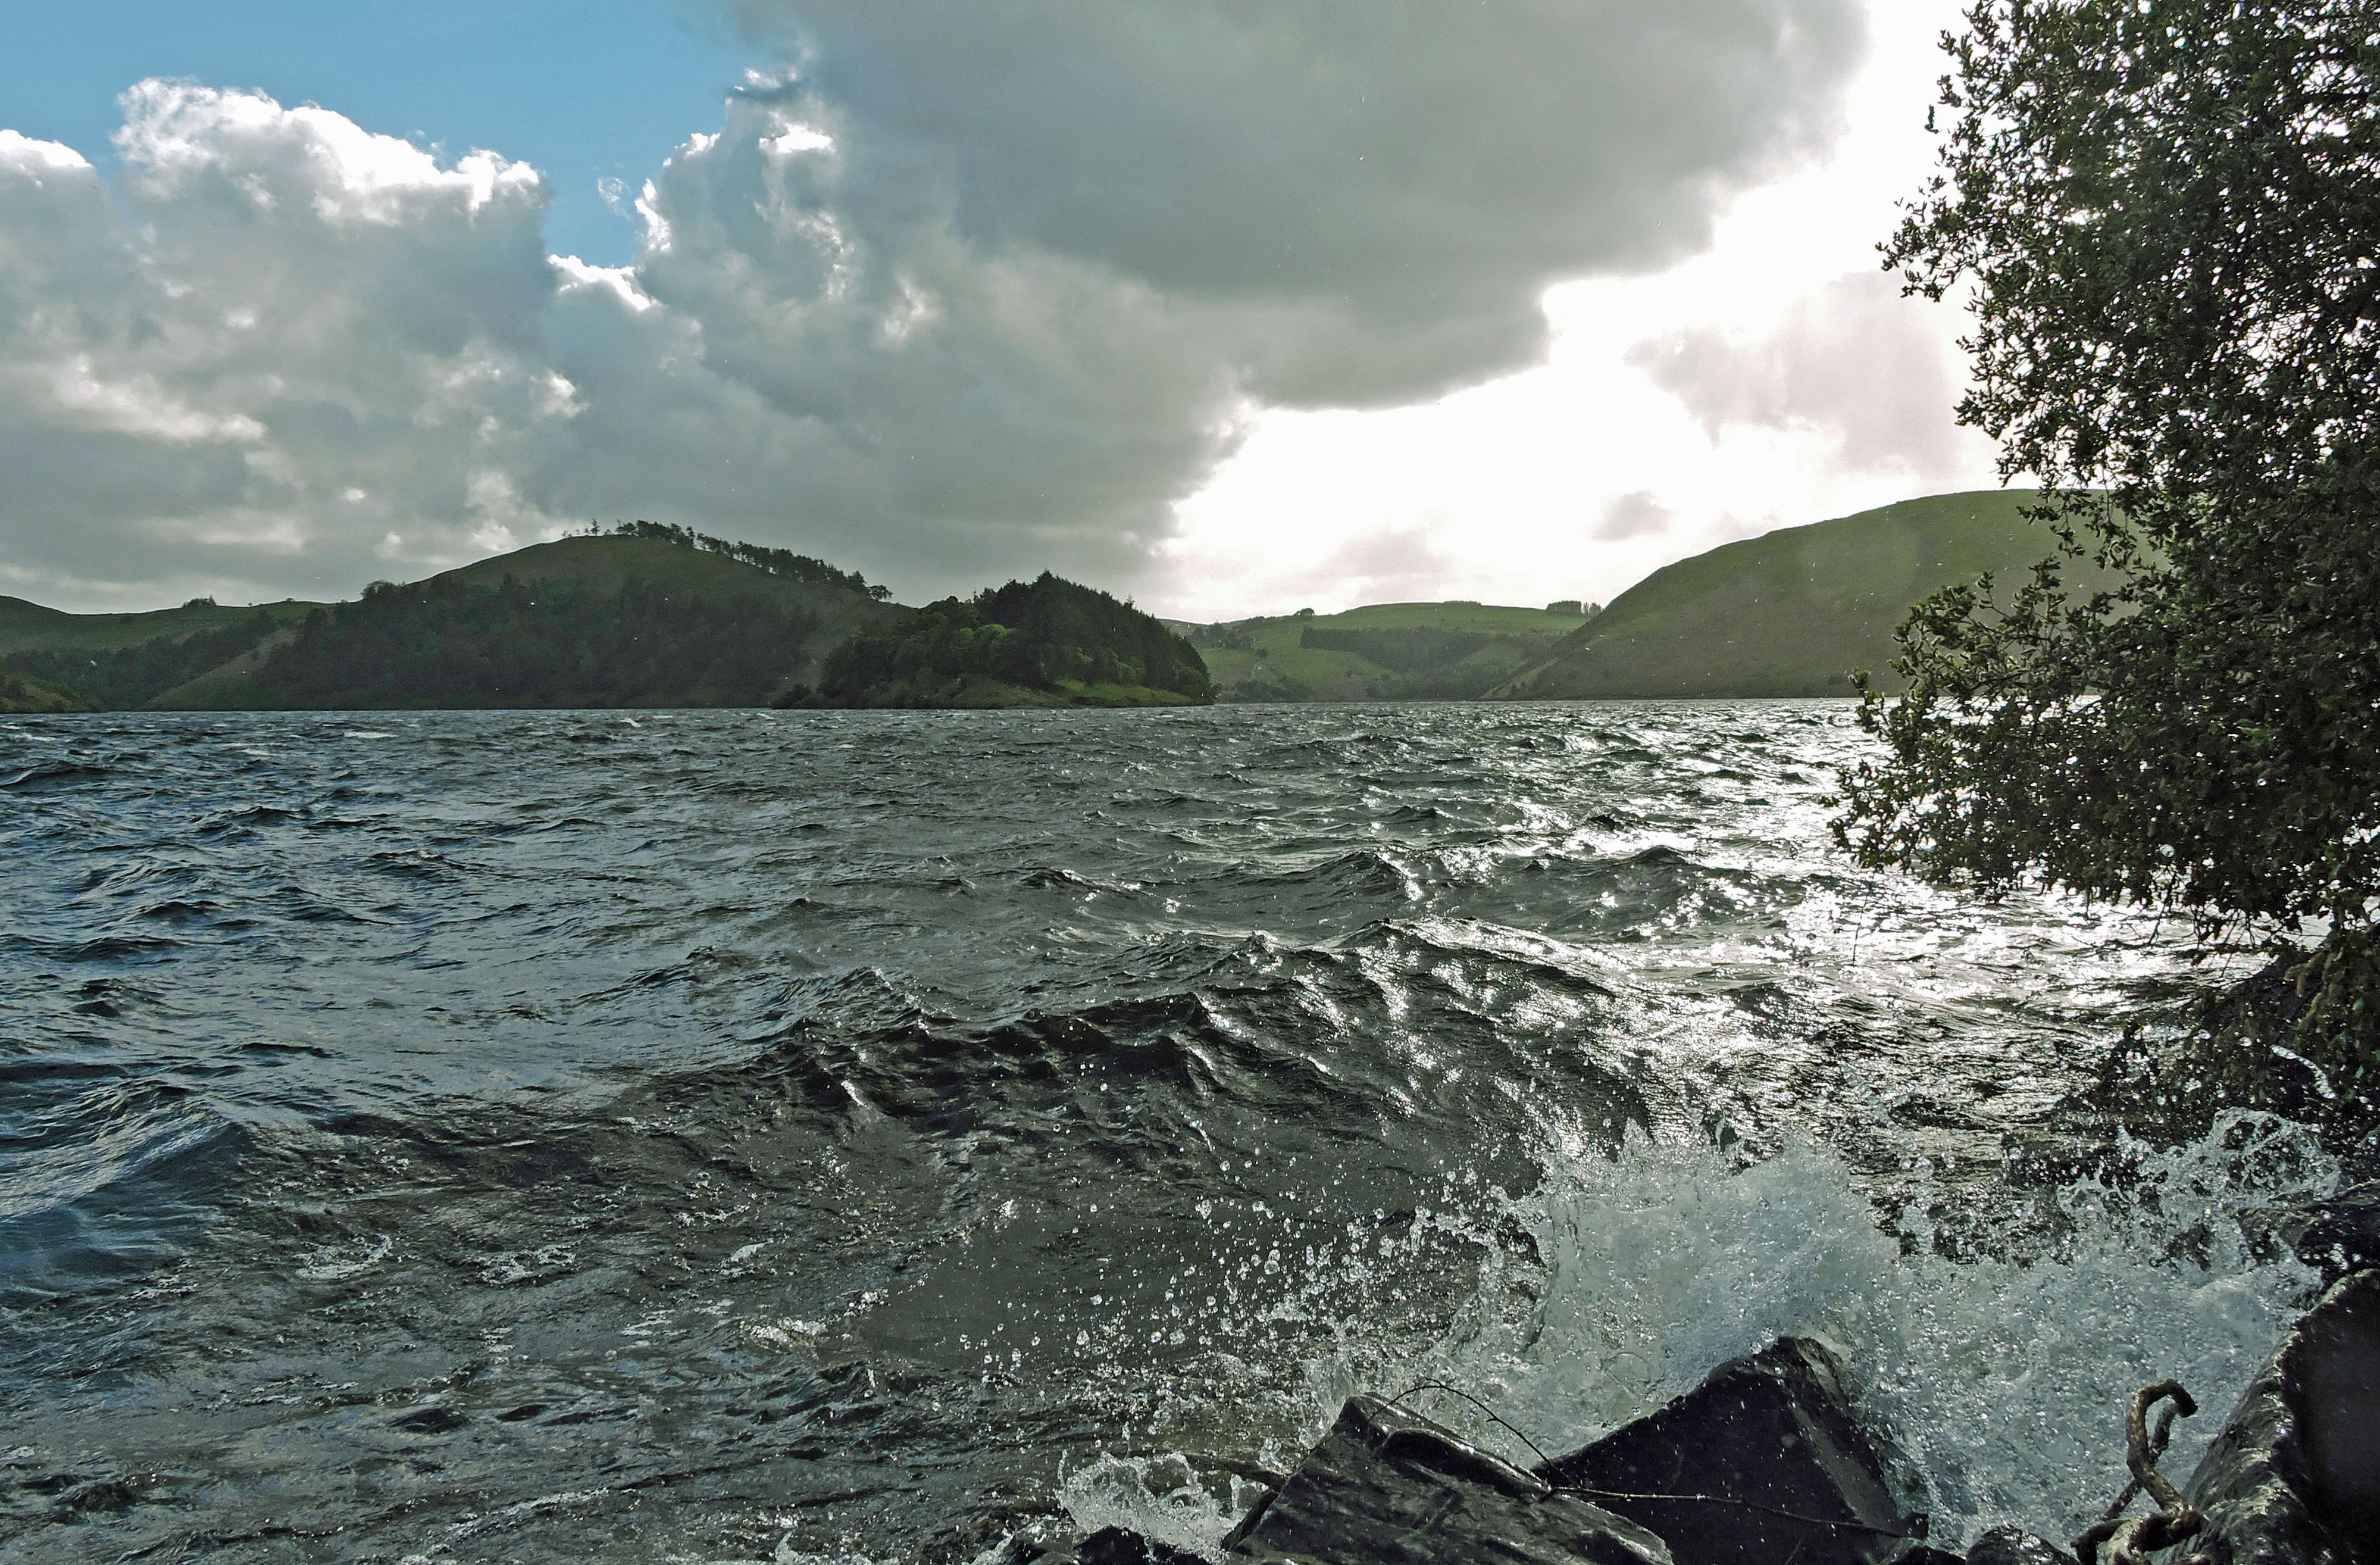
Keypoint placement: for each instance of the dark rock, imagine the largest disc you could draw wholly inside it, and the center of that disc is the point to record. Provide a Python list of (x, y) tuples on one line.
[(2294, 1476), (1118, 1545), (1385, 1487), (1774, 1462), (2014, 1545), (104, 1498), (2341, 1233)]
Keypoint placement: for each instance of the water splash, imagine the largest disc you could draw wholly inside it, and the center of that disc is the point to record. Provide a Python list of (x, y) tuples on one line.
[(1163, 1497), (2004, 1380)]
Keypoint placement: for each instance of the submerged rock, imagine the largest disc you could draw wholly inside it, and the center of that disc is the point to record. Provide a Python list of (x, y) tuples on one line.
[(1118, 1545), (1916, 1551), (1385, 1487), (2014, 1545), (1770, 1461), (2294, 1477)]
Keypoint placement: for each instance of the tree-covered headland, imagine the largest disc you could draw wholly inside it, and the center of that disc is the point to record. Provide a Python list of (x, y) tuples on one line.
[(2165, 216), (639, 616), (1047, 642)]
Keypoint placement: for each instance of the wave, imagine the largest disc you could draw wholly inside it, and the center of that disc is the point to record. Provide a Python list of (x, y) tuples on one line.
[(56, 774), (103, 1182)]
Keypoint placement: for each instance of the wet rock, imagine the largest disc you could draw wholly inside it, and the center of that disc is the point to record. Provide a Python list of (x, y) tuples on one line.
[(1777, 1467), (2340, 1234), (1385, 1487), (104, 1498), (1118, 1545), (2294, 1477), (2014, 1545)]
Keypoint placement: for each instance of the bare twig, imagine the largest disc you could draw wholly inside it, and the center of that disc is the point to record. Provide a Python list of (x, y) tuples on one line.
[(2129, 1540)]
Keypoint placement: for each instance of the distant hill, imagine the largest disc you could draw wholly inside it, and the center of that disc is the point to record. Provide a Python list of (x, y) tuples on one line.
[(26, 627), (1382, 651), (1048, 643), (1791, 613), (121, 678), (653, 618)]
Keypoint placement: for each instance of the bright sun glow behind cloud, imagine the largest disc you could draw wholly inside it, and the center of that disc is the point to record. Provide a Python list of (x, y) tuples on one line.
[(1825, 392)]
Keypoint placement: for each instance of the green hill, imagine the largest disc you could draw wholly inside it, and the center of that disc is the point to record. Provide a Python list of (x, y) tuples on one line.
[(1048, 643), (121, 678), (26, 626), (1791, 613), (1382, 651), (655, 617)]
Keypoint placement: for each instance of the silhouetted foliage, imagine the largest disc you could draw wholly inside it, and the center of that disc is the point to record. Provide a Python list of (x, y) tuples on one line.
[(446, 643), (2166, 209), (776, 562), (1032, 636), (129, 676)]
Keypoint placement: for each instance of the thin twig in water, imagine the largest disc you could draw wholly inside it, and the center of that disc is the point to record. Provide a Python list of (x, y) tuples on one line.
[(1398, 1401)]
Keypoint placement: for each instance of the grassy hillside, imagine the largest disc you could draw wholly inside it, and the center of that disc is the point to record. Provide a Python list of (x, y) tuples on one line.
[(1379, 652), (26, 626), (605, 590), (1791, 613)]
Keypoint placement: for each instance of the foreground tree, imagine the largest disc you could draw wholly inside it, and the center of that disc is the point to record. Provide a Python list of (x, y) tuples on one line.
[(2167, 213)]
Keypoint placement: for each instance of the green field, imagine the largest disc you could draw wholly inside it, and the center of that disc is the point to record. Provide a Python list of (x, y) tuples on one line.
[(1417, 651), (1792, 613)]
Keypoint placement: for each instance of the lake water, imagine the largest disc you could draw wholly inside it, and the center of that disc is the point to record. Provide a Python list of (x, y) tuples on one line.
[(841, 1136)]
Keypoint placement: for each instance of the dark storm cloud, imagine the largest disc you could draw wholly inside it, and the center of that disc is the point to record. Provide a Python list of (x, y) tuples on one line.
[(962, 289), (1380, 189)]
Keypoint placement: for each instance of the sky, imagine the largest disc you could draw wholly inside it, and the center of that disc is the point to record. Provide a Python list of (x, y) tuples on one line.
[(1231, 308)]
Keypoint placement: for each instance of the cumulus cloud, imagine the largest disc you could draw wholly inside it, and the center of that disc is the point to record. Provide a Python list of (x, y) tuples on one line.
[(1874, 373), (1637, 514), (1382, 188), (955, 289)]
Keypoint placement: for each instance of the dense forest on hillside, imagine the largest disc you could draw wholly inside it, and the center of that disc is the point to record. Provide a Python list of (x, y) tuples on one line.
[(548, 645), (125, 678), (1049, 642)]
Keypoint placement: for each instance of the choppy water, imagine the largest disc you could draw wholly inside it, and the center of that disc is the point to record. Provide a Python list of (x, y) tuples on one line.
[(806, 1136)]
